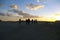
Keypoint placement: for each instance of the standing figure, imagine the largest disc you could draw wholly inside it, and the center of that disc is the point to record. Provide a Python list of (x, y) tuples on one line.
[(35, 21), (32, 21), (27, 21), (19, 20)]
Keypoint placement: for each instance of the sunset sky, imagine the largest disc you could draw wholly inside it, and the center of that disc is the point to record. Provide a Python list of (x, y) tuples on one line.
[(33, 7)]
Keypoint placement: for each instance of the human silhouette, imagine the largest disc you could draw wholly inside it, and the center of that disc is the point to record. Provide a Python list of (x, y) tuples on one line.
[(27, 21), (35, 21), (19, 20), (0, 20), (32, 21)]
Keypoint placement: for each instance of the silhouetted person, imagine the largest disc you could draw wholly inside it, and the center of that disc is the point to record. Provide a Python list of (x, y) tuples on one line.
[(19, 20), (27, 21), (35, 21), (32, 21), (0, 20)]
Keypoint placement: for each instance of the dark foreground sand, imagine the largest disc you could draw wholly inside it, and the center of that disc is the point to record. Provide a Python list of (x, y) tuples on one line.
[(39, 31)]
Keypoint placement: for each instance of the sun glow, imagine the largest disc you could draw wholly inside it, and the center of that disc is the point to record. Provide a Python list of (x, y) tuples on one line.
[(45, 19), (57, 16)]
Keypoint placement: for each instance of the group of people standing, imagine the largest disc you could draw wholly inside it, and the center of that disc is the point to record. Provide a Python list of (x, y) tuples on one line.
[(28, 21)]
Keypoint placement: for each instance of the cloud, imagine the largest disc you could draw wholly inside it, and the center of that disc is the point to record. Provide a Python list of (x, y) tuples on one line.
[(38, 0), (8, 14), (18, 13), (33, 7), (45, 1), (21, 13), (15, 10), (25, 15), (13, 6)]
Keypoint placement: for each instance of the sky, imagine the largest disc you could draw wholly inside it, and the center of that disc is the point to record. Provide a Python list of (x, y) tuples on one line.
[(33, 7)]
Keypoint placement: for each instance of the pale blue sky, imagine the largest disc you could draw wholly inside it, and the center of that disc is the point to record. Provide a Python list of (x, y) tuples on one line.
[(50, 6)]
